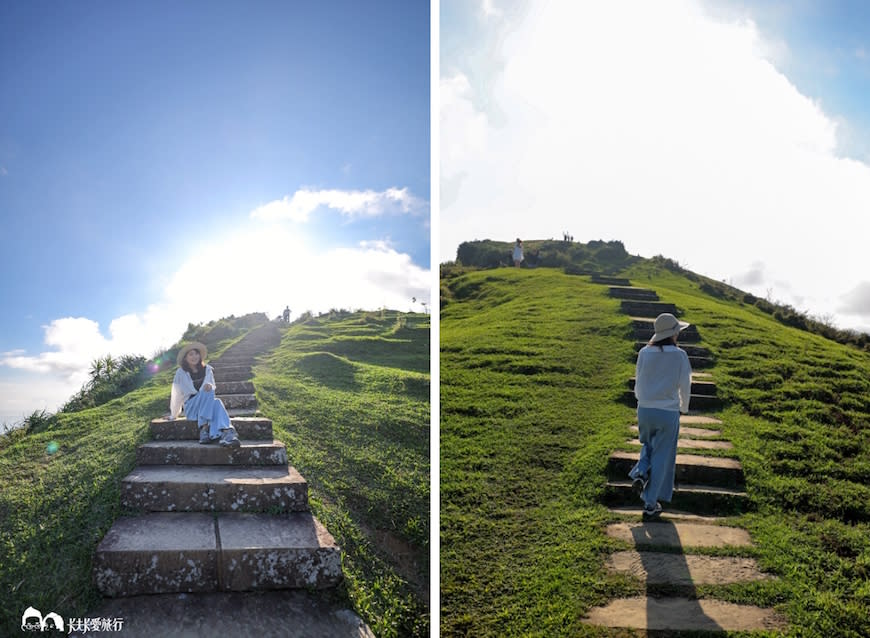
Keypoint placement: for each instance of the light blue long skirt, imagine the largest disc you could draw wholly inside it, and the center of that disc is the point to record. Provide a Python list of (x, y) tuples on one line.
[(659, 432), (204, 407)]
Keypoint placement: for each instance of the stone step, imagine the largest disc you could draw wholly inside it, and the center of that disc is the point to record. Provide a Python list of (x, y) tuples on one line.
[(636, 510), (695, 444), (239, 412), (696, 401), (194, 453), (233, 360), (168, 552), (705, 388), (639, 294), (699, 419), (684, 614), (235, 387), (236, 363), (238, 374), (701, 363), (184, 429), (692, 433), (610, 281), (169, 488), (237, 400), (679, 535), (252, 349), (647, 308), (233, 373), (691, 469), (692, 351), (157, 553), (684, 570), (262, 551), (704, 500)]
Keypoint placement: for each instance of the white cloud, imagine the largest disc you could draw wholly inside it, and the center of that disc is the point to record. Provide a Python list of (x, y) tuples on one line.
[(857, 301), (752, 277), (32, 392), (489, 9), (671, 131), (258, 269), (352, 204)]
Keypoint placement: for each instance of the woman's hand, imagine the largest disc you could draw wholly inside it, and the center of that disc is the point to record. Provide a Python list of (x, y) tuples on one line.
[(208, 387)]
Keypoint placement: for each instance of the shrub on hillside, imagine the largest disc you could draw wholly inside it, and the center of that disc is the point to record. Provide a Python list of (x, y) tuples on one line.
[(110, 379), (595, 256), (219, 330)]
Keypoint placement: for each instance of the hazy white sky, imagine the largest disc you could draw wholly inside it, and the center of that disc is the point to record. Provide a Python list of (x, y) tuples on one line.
[(664, 125)]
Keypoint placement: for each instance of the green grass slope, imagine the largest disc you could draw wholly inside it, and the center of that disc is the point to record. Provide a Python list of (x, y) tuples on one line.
[(349, 395), (350, 398), (532, 366)]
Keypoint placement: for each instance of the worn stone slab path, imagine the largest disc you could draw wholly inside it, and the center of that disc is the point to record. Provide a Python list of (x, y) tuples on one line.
[(664, 552), (695, 444), (680, 534), (656, 568), (683, 614), (693, 433)]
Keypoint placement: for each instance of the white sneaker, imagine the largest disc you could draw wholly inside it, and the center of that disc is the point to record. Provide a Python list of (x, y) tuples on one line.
[(229, 437), (652, 514), (204, 437)]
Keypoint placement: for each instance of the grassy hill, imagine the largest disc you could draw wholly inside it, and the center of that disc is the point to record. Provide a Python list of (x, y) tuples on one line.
[(348, 394), (533, 364)]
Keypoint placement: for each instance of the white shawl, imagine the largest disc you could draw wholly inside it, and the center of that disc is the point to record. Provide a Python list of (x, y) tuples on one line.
[(182, 387)]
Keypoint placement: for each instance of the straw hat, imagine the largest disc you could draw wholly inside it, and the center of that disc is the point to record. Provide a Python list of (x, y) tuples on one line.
[(196, 345), (667, 325)]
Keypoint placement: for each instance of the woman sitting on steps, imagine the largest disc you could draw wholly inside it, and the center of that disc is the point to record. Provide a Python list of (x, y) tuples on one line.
[(193, 389)]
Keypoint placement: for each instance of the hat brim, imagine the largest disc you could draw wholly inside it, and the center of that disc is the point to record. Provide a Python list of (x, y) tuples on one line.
[(670, 332), (196, 345)]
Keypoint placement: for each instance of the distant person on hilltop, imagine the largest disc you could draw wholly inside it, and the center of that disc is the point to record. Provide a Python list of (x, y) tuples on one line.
[(193, 389), (518, 253), (287, 314), (663, 382)]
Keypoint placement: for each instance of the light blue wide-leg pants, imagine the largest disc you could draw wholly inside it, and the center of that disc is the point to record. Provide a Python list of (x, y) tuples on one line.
[(204, 407), (659, 432)]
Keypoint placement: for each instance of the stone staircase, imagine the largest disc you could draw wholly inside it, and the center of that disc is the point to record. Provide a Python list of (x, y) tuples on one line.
[(664, 554), (214, 519), (233, 369)]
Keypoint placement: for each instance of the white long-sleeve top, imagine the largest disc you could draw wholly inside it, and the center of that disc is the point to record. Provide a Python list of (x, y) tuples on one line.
[(182, 387), (663, 379)]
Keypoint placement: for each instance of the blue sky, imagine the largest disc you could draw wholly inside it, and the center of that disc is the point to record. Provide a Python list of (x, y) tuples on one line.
[(733, 137), (139, 140)]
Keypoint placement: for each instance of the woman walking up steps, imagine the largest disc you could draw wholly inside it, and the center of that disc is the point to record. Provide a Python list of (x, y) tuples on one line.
[(663, 382)]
